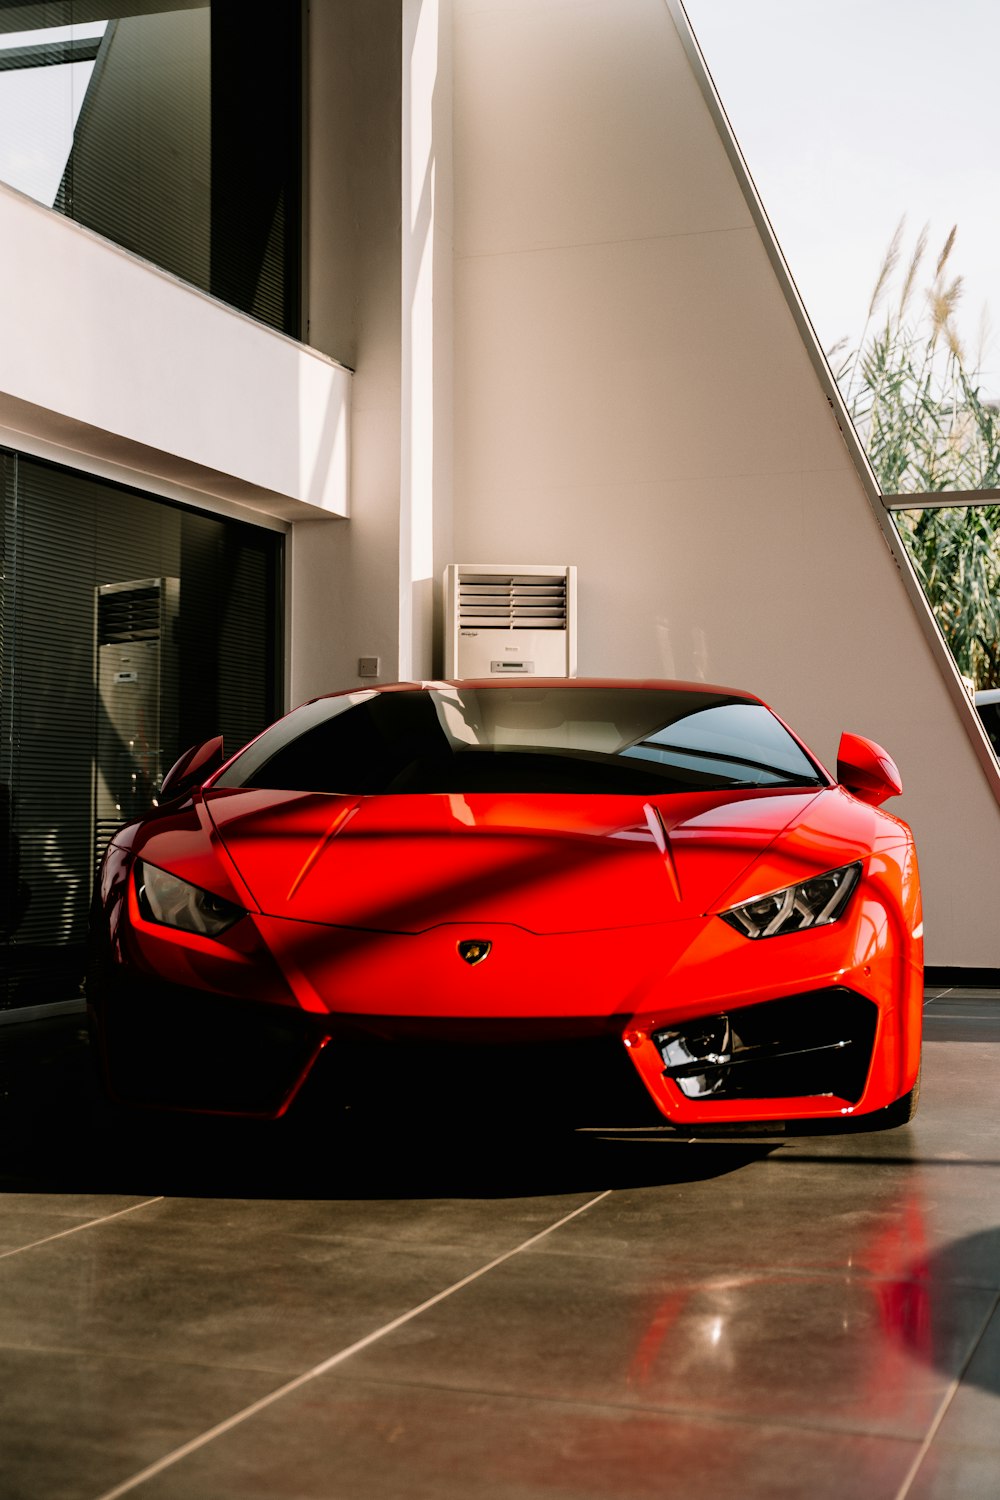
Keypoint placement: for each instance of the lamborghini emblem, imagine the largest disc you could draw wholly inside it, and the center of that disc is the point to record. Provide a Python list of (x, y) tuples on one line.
[(474, 950)]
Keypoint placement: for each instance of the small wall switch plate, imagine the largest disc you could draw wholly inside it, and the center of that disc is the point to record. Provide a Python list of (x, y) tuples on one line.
[(367, 666)]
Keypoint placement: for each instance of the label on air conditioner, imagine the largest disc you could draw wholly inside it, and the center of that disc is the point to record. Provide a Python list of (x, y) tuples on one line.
[(512, 666)]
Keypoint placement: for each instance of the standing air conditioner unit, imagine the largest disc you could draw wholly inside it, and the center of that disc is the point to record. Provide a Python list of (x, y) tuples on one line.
[(136, 661), (509, 621)]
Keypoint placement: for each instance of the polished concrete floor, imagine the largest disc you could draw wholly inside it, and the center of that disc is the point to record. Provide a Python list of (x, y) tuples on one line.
[(338, 1310)]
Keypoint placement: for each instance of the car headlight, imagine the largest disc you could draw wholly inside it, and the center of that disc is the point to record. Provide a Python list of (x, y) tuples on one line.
[(175, 903), (814, 903)]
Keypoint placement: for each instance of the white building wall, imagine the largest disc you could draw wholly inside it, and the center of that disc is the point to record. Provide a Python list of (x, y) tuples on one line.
[(345, 578), (426, 521), (110, 359), (633, 396)]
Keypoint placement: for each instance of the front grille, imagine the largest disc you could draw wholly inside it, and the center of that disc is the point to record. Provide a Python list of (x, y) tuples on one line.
[(570, 1080), (817, 1044)]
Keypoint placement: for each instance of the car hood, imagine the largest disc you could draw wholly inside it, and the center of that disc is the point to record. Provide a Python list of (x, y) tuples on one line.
[(549, 864)]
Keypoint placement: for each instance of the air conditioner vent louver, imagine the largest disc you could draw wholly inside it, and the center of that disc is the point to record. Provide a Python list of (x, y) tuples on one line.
[(510, 620), (128, 615), (516, 602)]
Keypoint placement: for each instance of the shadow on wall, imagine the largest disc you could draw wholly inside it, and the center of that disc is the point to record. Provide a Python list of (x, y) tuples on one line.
[(688, 660)]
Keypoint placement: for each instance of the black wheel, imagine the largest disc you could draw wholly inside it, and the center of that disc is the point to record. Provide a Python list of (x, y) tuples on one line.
[(899, 1112), (902, 1111)]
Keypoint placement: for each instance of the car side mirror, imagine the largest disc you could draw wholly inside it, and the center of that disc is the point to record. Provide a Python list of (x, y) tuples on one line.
[(195, 766), (867, 770)]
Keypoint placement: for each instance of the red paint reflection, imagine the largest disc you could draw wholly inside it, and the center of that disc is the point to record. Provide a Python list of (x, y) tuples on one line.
[(834, 1338)]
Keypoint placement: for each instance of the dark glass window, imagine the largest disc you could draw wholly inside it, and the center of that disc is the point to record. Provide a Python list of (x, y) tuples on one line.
[(172, 127), (988, 708), (524, 739), (131, 629)]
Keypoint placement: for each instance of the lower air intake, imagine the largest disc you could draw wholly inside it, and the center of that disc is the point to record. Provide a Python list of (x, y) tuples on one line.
[(814, 1045)]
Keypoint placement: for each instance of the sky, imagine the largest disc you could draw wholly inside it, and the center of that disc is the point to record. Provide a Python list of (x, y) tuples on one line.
[(853, 114)]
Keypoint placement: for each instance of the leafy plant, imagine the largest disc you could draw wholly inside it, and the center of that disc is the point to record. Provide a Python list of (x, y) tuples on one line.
[(957, 558), (915, 398)]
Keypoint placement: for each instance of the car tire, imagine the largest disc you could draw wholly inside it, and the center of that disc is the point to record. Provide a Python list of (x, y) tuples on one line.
[(901, 1112)]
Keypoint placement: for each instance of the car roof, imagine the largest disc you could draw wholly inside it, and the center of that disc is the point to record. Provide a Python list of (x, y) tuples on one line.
[(477, 683)]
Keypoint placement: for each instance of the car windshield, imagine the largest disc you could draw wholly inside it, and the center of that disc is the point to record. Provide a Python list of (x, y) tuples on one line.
[(646, 741)]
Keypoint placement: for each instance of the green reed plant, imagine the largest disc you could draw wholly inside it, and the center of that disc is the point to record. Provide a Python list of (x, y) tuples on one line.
[(915, 398)]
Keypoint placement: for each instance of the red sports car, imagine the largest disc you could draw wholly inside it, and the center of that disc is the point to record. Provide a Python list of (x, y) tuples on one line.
[(531, 889)]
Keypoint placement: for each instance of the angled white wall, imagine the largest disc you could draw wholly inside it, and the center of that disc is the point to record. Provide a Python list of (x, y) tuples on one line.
[(633, 396)]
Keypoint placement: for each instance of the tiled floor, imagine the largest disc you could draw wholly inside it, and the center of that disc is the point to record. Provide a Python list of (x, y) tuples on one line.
[(334, 1310)]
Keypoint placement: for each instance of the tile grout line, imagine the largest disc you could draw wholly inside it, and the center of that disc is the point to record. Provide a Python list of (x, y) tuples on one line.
[(169, 1459), (952, 1015), (779, 1425), (90, 1224), (943, 1409)]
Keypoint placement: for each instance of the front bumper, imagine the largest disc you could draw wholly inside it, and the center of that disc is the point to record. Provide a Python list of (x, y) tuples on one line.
[(169, 1047), (719, 1030)]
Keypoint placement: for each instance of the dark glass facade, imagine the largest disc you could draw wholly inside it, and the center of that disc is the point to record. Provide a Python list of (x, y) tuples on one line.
[(130, 628), (172, 127)]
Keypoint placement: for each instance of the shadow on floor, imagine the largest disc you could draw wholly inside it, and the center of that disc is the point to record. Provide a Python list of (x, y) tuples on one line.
[(923, 1319), (59, 1134)]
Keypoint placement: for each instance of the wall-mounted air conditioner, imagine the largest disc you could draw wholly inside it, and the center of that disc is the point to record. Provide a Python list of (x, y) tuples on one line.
[(509, 621)]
